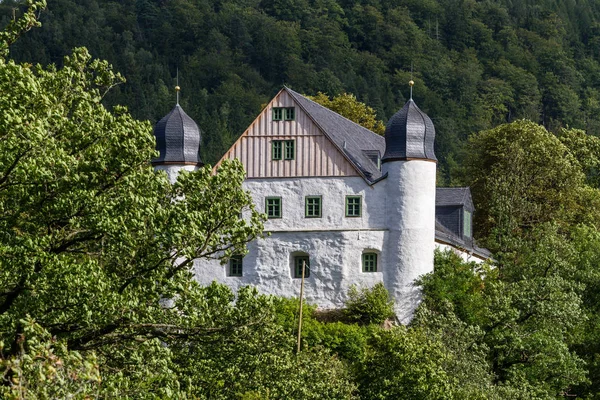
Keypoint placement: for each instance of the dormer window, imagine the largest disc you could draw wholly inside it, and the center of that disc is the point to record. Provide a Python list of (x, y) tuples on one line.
[(374, 156), (284, 113), (467, 221)]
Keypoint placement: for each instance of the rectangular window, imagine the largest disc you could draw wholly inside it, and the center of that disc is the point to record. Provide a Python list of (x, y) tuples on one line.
[(277, 114), (290, 114), (235, 266), (369, 262), (467, 223), (298, 260), (353, 205), (273, 207), (276, 149), (290, 151), (312, 207)]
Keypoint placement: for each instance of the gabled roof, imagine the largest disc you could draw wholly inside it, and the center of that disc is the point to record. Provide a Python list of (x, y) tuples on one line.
[(350, 138), (455, 196)]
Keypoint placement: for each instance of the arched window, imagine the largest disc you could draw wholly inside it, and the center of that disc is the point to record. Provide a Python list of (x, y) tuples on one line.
[(369, 261), (298, 260)]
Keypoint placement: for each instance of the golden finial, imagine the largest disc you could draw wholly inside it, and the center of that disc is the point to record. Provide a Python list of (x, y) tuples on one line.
[(411, 83), (177, 88)]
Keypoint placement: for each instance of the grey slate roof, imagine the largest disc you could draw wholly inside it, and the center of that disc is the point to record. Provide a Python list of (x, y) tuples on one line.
[(409, 134), (177, 139), (445, 235), (353, 140), (455, 196)]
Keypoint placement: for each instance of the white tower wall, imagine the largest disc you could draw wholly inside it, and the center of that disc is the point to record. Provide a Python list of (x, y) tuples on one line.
[(172, 170), (410, 207)]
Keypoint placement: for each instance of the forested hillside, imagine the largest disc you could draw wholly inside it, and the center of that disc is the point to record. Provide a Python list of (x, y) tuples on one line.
[(476, 64)]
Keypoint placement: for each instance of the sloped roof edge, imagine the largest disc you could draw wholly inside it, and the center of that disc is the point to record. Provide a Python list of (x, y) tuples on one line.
[(348, 137)]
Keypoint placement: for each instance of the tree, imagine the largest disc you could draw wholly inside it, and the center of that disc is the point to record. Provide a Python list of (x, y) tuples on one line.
[(348, 106), (521, 176)]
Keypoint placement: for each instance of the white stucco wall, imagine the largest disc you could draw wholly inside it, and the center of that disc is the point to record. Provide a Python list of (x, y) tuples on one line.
[(463, 254), (410, 205), (397, 222), (335, 243)]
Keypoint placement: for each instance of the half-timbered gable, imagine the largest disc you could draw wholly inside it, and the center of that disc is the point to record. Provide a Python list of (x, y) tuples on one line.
[(295, 137)]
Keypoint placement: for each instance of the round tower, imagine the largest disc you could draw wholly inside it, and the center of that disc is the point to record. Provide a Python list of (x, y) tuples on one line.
[(410, 164), (178, 142)]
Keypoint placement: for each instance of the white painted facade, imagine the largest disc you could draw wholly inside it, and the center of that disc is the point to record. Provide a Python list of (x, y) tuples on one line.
[(334, 243), (397, 221)]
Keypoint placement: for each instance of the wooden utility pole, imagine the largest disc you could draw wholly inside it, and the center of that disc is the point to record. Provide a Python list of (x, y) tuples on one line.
[(300, 316)]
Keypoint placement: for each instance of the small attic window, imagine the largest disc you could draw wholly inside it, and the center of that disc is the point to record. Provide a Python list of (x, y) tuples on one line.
[(284, 113), (374, 156), (290, 114), (467, 222)]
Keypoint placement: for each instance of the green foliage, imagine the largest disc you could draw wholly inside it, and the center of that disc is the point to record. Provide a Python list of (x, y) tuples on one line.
[(521, 176), (43, 368), (404, 363), (458, 284), (475, 64), (348, 106), (369, 305), (523, 324)]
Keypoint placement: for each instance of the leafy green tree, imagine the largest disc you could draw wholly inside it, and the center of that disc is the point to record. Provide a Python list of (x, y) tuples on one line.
[(521, 176), (515, 333), (45, 369), (403, 363), (348, 106)]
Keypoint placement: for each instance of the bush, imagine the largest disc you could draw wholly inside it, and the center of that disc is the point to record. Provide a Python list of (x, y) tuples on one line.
[(369, 305)]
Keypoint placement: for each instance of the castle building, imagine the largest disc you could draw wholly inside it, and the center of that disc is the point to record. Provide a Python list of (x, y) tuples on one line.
[(352, 206)]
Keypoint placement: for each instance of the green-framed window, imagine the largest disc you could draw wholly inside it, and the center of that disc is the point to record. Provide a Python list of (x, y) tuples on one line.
[(369, 262), (276, 150), (289, 148), (289, 114), (235, 266), (353, 206), (277, 113), (283, 149), (298, 260), (312, 207), (273, 207), (284, 113), (467, 222)]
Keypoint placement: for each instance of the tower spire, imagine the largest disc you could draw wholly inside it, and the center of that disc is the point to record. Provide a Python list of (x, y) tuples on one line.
[(177, 88), (411, 83)]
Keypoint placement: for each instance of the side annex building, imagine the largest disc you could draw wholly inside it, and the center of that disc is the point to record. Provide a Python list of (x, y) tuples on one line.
[(355, 207)]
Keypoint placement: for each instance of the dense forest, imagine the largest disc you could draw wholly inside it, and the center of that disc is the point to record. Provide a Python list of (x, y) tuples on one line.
[(476, 64)]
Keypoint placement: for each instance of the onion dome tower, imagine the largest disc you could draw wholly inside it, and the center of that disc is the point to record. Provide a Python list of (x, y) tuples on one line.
[(178, 142), (409, 135), (410, 164)]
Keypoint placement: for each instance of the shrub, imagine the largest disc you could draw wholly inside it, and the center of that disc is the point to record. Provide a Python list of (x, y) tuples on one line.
[(369, 305)]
